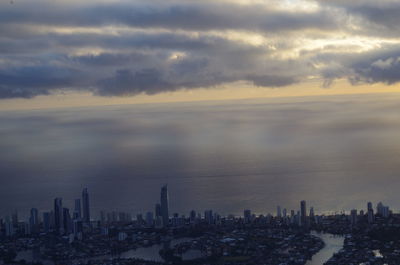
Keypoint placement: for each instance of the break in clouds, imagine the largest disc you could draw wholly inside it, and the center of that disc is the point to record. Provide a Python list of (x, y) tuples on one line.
[(119, 48)]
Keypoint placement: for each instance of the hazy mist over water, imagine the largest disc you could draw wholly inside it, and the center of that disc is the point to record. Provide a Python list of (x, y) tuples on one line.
[(336, 152)]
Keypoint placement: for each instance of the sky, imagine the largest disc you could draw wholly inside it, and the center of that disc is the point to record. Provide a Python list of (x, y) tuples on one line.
[(82, 53)]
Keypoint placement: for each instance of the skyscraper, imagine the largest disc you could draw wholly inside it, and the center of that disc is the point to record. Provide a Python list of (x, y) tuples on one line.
[(353, 217), (102, 217), (165, 205), (158, 209), (247, 216), (303, 213), (77, 227), (149, 219), (382, 210), (278, 211), (312, 215), (192, 216), (77, 209), (58, 215), (370, 212), (371, 216), (86, 207), (369, 206), (46, 221), (14, 219), (67, 221), (34, 220), (9, 227), (208, 216)]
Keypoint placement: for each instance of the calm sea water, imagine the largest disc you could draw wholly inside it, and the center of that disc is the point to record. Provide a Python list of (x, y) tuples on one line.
[(336, 152)]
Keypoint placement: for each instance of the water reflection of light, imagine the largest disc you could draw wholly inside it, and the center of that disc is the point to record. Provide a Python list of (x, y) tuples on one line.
[(377, 253)]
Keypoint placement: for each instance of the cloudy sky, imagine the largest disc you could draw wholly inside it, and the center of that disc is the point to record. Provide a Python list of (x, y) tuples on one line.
[(67, 52)]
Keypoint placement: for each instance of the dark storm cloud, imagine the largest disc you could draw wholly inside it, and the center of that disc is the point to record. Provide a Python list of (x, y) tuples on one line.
[(375, 66), (188, 16), (383, 70), (123, 48), (151, 81), (141, 42), (110, 59), (142, 64), (125, 82), (188, 73), (27, 82), (379, 18)]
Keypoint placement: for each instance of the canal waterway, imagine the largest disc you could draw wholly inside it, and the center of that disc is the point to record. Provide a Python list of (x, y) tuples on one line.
[(333, 244)]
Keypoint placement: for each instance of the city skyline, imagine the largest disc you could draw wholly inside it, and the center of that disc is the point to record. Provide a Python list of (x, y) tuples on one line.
[(302, 213), (116, 233)]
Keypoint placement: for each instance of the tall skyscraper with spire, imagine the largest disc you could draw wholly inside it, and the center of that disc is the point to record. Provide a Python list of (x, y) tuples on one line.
[(86, 206), (165, 205), (58, 216), (303, 213)]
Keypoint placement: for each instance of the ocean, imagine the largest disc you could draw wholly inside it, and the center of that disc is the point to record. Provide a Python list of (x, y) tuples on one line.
[(335, 152)]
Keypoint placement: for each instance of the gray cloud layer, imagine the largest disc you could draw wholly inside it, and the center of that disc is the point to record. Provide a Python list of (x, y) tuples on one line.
[(127, 48)]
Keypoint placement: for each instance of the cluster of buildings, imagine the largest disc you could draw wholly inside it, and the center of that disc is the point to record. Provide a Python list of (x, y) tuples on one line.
[(60, 220), (159, 218), (252, 238), (64, 221), (299, 218)]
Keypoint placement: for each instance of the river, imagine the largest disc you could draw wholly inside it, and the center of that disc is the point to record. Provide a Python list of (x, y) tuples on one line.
[(150, 253), (333, 244)]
